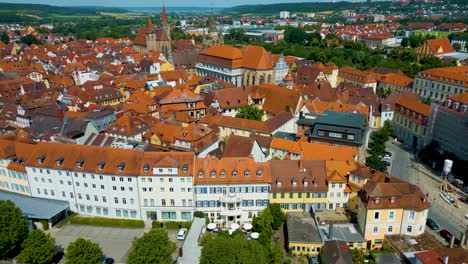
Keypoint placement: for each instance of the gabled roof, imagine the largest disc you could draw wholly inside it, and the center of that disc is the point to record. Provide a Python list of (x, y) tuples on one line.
[(440, 46)]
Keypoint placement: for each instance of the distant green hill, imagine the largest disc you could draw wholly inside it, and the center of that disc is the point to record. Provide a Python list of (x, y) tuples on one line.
[(30, 13), (296, 7)]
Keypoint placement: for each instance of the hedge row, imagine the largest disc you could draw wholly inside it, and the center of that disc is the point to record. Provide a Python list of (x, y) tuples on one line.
[(99, 221), (172, 224)]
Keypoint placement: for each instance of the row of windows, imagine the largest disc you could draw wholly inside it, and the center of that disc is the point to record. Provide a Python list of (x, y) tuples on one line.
[(163, 189), (161, 179), (84, 175), (409, 229), (105, 211), (300, 195), (257, 189), (305, 249), (391, 215), (14, 186), (234, 174), (14, 174), (151, 202), (246, 203)]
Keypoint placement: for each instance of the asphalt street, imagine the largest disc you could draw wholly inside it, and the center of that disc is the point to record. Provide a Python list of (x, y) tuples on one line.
[(445, 215)]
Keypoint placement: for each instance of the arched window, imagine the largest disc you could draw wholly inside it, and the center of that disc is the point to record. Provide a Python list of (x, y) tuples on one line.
[(247, 173), (213, 174), (200, 174), (223, 174), (234, 174)]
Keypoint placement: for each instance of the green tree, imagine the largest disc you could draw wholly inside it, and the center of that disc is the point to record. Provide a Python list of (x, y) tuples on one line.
[(13, 229), (152, 247), (276, 254), (295, 35), (83, 251), (38, 248), (456, 46), (4, 37), (405, 42), (231, 250), (374, 162), (263, 224), (29, 40), (388, 128), (277, 215), (250, 112)]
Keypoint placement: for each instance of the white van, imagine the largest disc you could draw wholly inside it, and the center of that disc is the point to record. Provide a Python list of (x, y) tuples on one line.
[(181, 234)]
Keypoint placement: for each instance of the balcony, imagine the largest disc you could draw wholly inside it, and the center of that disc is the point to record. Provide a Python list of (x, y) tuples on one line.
[(230, 198), (230, 211)]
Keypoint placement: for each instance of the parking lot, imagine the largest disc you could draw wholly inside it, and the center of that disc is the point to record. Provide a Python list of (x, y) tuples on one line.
[(115, 242)]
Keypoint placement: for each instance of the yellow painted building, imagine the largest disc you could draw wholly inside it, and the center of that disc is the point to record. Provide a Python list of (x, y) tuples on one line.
[(303, 236), (391, 207), (298, 201)]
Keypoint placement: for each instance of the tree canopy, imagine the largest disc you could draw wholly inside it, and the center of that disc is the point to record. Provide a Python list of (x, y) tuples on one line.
[(4, 37), (152, 247), (277, 215), (13, 229), (232, 250), (29, 40), (83, 251), (250, 112), (38, 248)]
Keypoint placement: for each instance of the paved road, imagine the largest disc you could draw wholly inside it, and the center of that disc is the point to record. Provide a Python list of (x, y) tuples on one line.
[(447, 216)]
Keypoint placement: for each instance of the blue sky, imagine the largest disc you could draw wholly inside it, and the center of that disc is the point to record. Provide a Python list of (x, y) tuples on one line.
[(154, 3)]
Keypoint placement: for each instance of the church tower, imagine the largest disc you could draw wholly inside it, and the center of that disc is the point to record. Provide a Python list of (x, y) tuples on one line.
[(165, 24)]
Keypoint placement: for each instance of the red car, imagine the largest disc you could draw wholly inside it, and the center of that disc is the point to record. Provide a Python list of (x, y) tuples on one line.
[(447, 235)]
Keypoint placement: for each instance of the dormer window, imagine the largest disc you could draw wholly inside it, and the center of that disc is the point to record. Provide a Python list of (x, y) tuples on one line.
[(101, 165), (200, 174), (247, 174), (259, 173), (455, 105), (234, 174), (59, 161), (377, 200), (294, 183), (185, 168), (223, 174), (448, 102), (41, 159), (213, 174), (121, 166), (146, 168), (80, 163), (278, 184), (306, 183), (392, 200), (463, 108)]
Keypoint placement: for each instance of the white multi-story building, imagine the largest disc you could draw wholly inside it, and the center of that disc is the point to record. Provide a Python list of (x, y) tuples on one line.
[(231, 190), (166, 186), (338, 192), (95, 181), (284, 14)]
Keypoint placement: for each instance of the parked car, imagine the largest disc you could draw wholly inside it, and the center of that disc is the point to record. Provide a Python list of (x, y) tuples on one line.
[(57, 257), (313, 260), (432, 224), (108, 261), (181, 234), (447, 235), (387, 157), (386, 163), (387, 153)]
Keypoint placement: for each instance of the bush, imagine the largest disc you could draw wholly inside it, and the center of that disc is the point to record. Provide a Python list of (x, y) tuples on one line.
[(177, 225), (45, 225), (156, 224), (99, 221), (198, 214)]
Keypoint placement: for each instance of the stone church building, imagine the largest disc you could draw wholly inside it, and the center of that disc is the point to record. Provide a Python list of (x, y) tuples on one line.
[(151, 38)]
